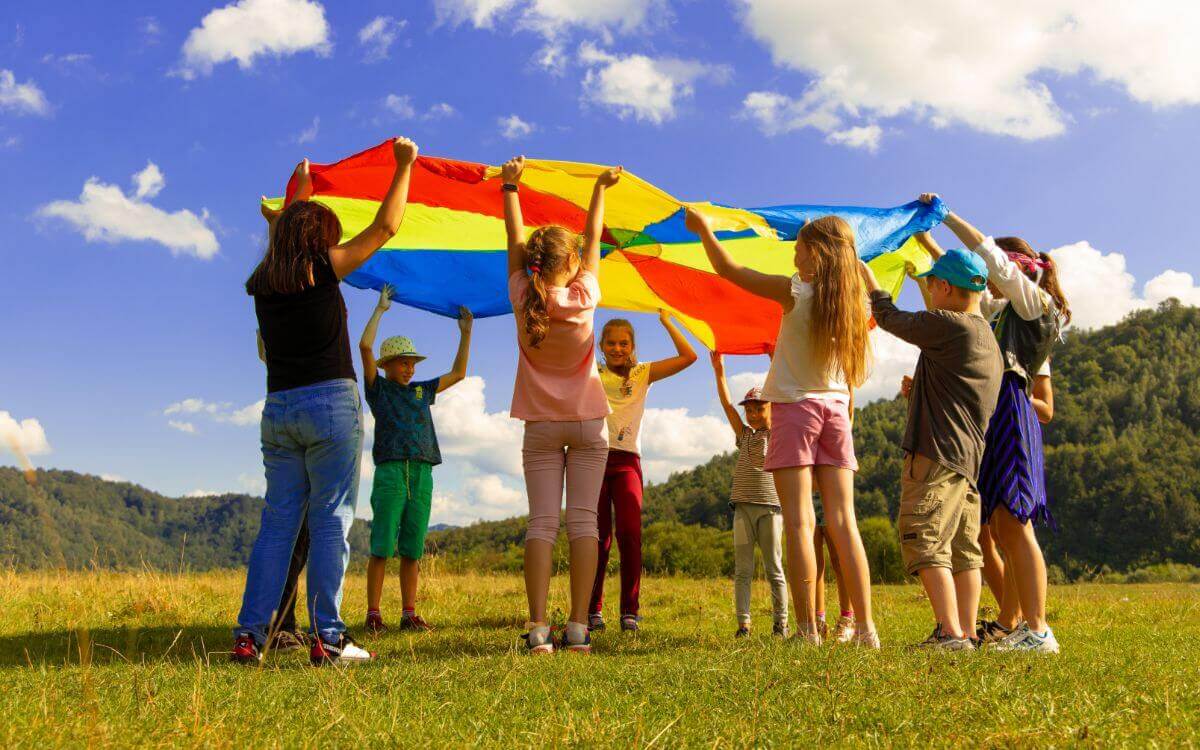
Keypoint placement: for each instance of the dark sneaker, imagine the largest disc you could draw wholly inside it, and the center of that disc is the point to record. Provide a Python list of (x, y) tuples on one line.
[(938, 641), (538, 640), (245, 651), (415, 622), (596, 622), (283, 641), (780, 629), (991, 631), (374, 624), (631, 623), (345, 651), (742, 632), (576, 647)]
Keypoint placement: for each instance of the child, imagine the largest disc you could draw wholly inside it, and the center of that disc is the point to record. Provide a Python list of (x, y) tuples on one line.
[(554, 291), (757, 518), (626, 384), (405, 452), (1029, 311), (820, 354), (953, 394)]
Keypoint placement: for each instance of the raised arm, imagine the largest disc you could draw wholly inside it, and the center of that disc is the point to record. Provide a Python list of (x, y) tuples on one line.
[(686, 357), (1043, 398), (514, 223), (595, 219), (459, 370), (366, 345), (351, 254), (927, 242), (919, 329), (772, 287), (731, 413)]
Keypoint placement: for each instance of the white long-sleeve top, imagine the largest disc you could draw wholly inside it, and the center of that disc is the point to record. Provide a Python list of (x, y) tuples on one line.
[(1027, 298)]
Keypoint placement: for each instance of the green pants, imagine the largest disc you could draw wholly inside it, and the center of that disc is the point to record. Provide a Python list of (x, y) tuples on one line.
[(400, 500)]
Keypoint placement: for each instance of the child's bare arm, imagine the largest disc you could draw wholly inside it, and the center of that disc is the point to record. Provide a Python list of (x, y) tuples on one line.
[(686, 357), (366, 344), (349, 255), (731, 412), (769, 286), (1043, 398), (459, 370), (595, 219), (514, 222)]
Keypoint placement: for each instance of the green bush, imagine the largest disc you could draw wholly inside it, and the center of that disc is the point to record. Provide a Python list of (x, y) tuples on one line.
[(1164, 573), (883, 550)]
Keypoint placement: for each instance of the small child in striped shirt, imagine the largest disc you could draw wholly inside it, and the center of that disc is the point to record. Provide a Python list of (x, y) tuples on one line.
[(757, 517)]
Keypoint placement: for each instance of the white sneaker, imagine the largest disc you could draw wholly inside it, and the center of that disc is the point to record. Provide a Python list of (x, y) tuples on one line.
[(538, 640), (845, 629), (346, 651), (866, 640), (810, 637), (1024, 639)]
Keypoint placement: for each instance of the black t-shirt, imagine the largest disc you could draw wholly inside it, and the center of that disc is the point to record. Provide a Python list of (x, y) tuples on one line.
[(305, 333)]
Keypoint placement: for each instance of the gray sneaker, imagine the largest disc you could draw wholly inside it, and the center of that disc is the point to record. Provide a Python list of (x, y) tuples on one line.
[(780, 629), (937, 641), (1024, 639), (538, 640)]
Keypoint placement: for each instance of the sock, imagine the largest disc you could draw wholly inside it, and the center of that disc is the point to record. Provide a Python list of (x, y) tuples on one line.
[(372, 611), (408, 612), (848, 613), (820, 617)]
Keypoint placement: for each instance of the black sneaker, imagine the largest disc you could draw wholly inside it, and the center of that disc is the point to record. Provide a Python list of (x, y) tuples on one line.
[(991, 631), (345, 651), (245, 651), (596, 622), (780, 630), (742, 632), (283, 641), (631, 623)]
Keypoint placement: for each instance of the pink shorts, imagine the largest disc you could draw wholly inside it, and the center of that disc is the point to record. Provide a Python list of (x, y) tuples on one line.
[(812, 432)]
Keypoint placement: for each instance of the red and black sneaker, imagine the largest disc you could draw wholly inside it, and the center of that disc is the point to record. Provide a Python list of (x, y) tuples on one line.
[(245, 651), (414, 622), (374, 624), (345, 651)]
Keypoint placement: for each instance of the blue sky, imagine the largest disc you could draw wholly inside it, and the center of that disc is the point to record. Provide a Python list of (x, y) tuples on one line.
[(1039, 122)]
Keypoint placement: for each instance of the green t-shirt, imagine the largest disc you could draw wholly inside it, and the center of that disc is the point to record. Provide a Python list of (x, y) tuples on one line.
[(403, 423)]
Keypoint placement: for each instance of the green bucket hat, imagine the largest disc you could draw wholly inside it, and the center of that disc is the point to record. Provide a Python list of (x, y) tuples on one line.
[(397, 346)]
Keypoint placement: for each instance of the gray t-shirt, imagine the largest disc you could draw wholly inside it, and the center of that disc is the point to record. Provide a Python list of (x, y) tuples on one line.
[(750, 483), (955, 386)]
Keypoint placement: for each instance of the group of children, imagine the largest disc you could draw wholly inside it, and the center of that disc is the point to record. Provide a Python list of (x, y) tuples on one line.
[(972, 480)]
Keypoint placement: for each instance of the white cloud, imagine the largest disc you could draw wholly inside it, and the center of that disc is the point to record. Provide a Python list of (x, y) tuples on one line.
[(551, 17), (986, 66), (253, 483), (488, 441), (22, 98), (891, 360), (485, 497), (865, 137), (25, 437), (150, 28), (113, 478), (642, 87), (222, 412), (513, 127), (1101, 291), (201, 493), (149, 182), (439, 111), (248, 29), (182, 426), (378, 36), (105, 213), (309, 134), (400, 106), (674, 440)]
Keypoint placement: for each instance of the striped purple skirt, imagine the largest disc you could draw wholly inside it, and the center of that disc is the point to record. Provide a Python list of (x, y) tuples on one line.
[(1013, 472)]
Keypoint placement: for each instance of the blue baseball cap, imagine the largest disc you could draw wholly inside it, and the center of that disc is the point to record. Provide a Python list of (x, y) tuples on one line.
[(960, 268)]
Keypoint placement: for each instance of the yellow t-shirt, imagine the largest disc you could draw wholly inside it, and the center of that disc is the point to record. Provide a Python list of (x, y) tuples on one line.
[(627, 399)]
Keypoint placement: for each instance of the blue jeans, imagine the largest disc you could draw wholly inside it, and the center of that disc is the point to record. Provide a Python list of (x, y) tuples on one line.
[(312, 444)]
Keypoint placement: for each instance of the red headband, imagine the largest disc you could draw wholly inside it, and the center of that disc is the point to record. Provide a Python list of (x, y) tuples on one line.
[(1027, 264)]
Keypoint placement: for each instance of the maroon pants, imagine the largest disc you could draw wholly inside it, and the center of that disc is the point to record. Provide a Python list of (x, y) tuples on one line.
[(621, 500)]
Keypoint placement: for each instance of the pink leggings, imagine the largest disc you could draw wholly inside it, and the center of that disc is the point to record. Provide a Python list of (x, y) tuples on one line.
[(552, 450)]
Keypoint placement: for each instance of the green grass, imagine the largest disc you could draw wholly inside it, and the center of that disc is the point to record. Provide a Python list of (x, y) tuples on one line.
[(109, 659)]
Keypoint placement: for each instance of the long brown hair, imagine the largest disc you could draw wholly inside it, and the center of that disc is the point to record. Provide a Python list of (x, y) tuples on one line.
[(632, 363), (547, 252), (299, 242), (839, 317), (1049, 282)]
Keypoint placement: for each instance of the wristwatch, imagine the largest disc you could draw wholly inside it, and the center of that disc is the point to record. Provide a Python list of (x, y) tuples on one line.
[(509, 187)]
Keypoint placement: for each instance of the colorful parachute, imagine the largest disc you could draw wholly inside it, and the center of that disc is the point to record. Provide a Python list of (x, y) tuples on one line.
[(450, 250)]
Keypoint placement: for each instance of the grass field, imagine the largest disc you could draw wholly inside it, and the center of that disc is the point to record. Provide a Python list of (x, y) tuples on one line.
[(108, 659)]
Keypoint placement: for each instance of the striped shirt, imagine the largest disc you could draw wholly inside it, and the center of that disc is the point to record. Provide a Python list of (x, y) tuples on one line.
[(750, 483)]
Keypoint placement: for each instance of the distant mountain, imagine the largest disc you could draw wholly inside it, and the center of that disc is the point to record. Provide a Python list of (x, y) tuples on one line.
[(80, 520)]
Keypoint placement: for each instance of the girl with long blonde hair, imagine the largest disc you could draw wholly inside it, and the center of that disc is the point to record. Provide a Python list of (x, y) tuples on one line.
[(821, 355)]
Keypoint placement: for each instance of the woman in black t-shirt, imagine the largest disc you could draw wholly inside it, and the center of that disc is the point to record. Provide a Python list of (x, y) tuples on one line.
[(312, 421)]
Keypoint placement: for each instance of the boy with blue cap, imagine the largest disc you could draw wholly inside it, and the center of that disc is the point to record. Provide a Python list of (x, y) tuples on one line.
[(953, 394)]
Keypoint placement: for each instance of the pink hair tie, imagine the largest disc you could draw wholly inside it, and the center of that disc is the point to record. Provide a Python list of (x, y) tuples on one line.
[(1027, 264), (535, 269)]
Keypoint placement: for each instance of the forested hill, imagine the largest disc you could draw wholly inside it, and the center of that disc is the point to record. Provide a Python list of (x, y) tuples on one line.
[(1123, 462), (1122, 456), (79, 520)]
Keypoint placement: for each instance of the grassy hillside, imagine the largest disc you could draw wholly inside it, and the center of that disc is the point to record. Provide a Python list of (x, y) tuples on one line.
[(108, 659)]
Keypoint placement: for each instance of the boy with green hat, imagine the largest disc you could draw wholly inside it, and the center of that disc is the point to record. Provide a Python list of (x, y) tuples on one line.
[(954, 392), (405, 452)]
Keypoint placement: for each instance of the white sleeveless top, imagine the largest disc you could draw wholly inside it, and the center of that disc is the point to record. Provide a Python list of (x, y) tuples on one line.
[(794, 376)]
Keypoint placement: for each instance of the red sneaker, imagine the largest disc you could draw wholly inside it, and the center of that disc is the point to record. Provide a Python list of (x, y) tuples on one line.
[(415, 622), (375, 624), (345, 651), (245, 651)]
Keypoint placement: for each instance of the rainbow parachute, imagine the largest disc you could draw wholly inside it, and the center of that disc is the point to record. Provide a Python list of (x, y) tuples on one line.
[(450, 250)]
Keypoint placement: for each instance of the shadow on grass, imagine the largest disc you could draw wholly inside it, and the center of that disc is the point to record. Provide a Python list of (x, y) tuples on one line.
[(120, 645)]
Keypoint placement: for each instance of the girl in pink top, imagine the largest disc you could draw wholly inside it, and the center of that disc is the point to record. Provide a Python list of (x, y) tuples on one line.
[(554, 292)]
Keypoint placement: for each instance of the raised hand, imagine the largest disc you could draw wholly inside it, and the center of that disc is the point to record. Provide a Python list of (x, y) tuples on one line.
[(268, 213), (512, 170), (304, 186), (609, 177), (718, 362), (927, 197), (906, 384), (385, 298), (694, 221), (405, 151), (664, 317), (465, 319)]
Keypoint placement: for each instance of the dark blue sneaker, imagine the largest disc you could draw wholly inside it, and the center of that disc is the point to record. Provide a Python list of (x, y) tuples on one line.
[(576, 647), (631, 623)]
